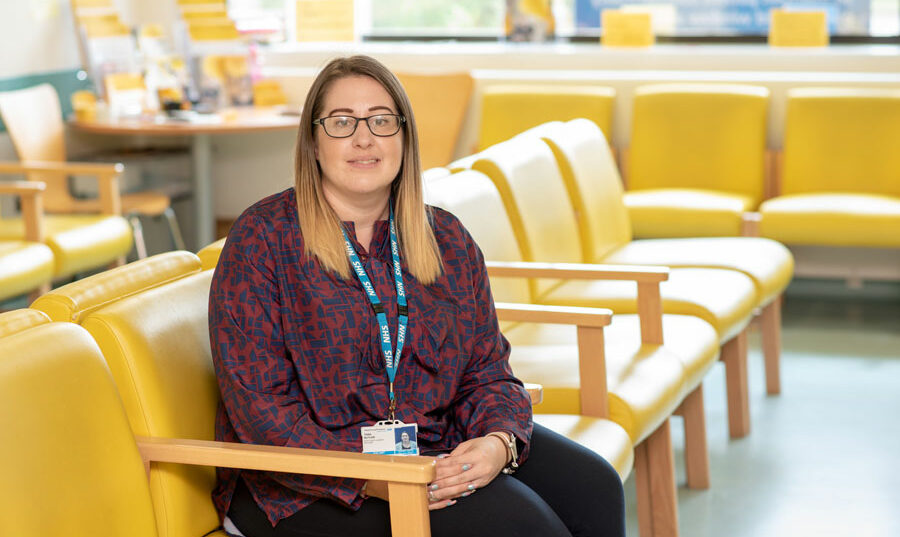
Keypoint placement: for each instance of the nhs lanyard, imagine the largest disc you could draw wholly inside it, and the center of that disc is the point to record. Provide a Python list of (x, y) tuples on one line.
[(391, 359)]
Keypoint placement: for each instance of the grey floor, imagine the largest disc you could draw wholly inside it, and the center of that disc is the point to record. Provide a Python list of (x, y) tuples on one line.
[(823, 458)]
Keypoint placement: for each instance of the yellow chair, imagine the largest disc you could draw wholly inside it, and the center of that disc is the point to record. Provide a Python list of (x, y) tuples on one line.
[(149, 319), (528, 178), (840, 184), (697, 160), (439, 103), (646, 379), (26, 265), (68, 436), (592, 181), (509, 109), (34, 120), (268, 93)]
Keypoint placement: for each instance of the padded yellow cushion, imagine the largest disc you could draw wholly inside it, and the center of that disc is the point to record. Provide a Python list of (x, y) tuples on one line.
[(680, 212), (209, 254), (509, 109), (156, 343), (69, 462), (79, 242), (73, 301), (24, 266), (701, 136), (15, 321), (644, 381), (604, 437), (842, 140), (723, 298), (838, 219), (768, 263), (692, 340)]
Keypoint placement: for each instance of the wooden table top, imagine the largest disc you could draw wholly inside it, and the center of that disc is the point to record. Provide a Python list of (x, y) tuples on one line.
[(231, 120)]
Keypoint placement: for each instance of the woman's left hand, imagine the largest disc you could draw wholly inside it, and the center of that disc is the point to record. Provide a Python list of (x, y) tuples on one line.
[(469, 467)]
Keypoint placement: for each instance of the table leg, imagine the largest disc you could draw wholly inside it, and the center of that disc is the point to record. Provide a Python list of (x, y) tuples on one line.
[(201, 152)]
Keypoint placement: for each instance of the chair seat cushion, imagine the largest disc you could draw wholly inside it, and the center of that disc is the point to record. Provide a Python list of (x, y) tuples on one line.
[(646, 383), (79, 242), (676, 212), (604, 437), (723, 298), (833, 219), (768, 263), (24, 266), (692, 340)]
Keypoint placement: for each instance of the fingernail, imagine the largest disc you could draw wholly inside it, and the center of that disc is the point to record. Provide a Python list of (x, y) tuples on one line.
[(471, 488), (451, 502), (466, 467), (465, 494), (443, 456), (434, 487)]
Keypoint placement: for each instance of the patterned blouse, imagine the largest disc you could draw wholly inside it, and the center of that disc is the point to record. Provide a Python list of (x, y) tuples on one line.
[(299, 363)]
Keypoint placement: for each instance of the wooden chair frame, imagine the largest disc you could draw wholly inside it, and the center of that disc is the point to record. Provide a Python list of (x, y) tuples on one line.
[(30, 194)]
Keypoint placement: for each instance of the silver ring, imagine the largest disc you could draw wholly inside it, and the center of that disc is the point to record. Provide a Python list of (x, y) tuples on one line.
[(431, 496)]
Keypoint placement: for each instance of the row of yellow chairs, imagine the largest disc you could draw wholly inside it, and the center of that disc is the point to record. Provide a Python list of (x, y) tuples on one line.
[(547, 206), (120, 386), (698, 165)]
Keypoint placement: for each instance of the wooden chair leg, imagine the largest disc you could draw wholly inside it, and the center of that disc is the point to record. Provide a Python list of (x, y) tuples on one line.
[(734, 354), (696, 454), (654, 468), (770, 325), (409, 510)]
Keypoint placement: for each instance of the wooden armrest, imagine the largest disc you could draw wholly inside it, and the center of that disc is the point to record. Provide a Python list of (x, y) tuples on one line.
[(32, 206), (107, 176), (534, 313), (406, 476), (535, 391), (577, 271), (285, 459), (589, 336), (648, 278)]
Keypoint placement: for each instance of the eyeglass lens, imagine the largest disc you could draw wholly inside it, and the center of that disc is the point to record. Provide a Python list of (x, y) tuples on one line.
[(343, 126)]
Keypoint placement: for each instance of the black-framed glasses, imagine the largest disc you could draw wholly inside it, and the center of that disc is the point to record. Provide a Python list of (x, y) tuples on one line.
[(345, 126)]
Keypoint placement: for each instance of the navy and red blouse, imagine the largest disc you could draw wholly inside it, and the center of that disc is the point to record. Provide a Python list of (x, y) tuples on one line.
[(299, 362)]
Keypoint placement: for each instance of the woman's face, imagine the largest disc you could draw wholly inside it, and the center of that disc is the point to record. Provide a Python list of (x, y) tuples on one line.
[(361, 166)]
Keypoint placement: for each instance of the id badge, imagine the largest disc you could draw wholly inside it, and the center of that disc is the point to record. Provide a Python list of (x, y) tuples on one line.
[(390, 438)]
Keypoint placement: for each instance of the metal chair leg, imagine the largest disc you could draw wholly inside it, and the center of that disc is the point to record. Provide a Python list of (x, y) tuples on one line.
[(174, 228), (137, 228)]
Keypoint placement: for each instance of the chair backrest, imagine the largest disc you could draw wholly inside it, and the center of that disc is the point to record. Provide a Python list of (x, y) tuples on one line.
[(509, 109), (593, 183), (472, 197), (209, 254), (702, 136), (72, 302), (842, 140), (439, 102), (531, 187), (156, 343), (33, 118), (68, 458)]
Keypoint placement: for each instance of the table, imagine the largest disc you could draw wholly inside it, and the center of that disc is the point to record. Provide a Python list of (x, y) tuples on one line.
[(200, 128)]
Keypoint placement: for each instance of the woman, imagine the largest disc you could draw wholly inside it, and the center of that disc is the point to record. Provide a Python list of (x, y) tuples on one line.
[(345, 301)]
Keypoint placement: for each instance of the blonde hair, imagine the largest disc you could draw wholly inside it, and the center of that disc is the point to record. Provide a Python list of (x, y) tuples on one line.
[(319, 224)]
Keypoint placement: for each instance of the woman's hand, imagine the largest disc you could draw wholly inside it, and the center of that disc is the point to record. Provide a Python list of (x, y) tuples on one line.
[(469, 467)]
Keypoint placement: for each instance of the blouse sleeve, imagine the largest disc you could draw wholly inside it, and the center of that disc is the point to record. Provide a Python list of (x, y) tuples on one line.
[(259, 385), (490, 397)]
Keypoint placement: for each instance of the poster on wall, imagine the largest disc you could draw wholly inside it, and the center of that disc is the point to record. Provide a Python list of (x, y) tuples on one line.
[(729, 17)]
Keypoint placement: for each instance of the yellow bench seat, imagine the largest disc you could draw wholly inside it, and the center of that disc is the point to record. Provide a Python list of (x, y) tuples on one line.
[(686, 212), (833, 219), (606, 438), (23, 266)]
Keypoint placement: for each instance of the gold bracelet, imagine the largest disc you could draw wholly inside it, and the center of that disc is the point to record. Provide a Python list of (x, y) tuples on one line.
[(506, 438)]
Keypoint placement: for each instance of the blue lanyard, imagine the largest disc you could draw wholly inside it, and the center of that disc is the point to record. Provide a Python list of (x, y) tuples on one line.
[(391, 359)]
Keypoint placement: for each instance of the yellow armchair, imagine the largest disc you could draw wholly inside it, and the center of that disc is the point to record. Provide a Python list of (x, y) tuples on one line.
[(68, 437), (697, 159)]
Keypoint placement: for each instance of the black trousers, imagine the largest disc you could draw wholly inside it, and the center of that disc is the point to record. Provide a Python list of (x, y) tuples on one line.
[(563, 489)]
